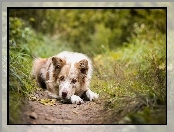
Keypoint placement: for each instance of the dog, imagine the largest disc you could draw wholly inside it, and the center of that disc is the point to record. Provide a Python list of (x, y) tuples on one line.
[(66, 76)]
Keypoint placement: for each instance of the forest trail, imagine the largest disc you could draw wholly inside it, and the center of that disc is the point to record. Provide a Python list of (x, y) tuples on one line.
[(35, 111)]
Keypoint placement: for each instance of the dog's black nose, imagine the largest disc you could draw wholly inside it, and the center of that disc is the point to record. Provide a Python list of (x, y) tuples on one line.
[(64, 94)]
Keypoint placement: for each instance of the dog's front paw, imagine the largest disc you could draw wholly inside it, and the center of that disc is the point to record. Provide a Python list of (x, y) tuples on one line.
[(76, 100), (91, 95)]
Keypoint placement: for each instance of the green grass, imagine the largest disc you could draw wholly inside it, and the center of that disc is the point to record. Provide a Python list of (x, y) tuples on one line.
[(133, 77), (25, 45)]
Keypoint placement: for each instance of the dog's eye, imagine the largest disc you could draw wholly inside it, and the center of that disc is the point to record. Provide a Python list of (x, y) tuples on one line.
[(74, 81), (57, 67), (61, 78)]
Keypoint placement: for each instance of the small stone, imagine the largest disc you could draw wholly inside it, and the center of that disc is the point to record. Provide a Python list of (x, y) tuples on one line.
[(49, 119), (33, 115), (75, 112)]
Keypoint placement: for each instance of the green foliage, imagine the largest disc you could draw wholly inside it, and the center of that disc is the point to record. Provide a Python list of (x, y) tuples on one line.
[(20, 33), (135, 72), (84, 28), (20, 62)]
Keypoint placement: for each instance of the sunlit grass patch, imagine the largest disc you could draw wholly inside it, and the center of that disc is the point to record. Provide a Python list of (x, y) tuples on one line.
[(133, 79)]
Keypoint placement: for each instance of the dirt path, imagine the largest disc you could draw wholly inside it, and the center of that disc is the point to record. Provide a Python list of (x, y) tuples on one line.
[(35, 112)]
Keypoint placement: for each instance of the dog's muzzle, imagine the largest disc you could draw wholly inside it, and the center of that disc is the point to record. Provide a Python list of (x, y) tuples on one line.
[(64, 94)]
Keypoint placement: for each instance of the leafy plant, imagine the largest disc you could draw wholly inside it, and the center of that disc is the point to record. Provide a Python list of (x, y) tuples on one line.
[(135, 73)]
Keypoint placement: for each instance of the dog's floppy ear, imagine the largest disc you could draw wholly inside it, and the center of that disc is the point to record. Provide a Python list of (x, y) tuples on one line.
[(58, 62), (83, 66)]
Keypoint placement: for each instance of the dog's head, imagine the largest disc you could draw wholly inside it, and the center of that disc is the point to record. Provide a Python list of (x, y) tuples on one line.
[(72, 78)]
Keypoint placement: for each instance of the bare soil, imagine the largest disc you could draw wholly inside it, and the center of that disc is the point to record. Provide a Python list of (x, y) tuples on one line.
[(35, 112)]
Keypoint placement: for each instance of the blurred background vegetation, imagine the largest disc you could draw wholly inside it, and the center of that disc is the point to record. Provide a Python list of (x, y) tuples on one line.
[(127, 46), (91, 31)]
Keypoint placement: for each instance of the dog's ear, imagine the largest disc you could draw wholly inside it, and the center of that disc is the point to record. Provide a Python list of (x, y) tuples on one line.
[(58, 62), (83, 66)]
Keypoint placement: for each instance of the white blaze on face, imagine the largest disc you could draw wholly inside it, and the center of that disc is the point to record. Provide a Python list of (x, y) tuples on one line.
[(68, 81)]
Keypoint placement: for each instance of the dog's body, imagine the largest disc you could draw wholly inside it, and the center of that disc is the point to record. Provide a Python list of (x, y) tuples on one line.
[(66, 75)]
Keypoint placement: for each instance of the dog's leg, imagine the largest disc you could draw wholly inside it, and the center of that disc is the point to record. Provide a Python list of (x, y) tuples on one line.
[(52, 95), (51, 90), (76, 100), (91, 95)]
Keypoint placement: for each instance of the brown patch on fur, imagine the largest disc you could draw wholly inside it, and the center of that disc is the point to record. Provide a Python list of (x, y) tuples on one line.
[(82, 78), (64, 72), (82, 66), (38, 65), (50, 90), (47, 74), (58, 64), (40, 79)]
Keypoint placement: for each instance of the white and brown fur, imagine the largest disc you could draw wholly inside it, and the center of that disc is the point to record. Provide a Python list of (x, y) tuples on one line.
[(66, 75)]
